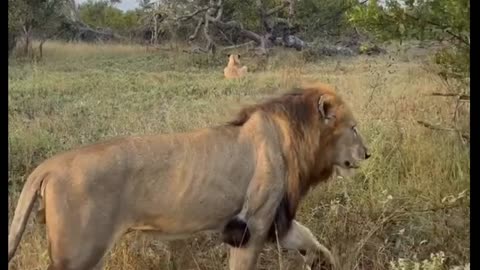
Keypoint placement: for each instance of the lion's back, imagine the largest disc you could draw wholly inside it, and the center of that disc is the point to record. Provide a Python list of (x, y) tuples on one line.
[(235, 72), (230, 72)]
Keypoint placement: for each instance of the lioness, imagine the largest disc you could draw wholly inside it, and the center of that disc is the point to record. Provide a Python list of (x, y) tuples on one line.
[(234, 69), (244, 179)]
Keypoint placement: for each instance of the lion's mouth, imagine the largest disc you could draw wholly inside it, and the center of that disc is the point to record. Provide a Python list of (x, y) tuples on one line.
[(350, 165), (346, 170)]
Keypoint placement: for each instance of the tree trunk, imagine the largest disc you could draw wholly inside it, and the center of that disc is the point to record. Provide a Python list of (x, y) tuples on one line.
[(26, 34), (155, 30), (40, 48), (12, 42)]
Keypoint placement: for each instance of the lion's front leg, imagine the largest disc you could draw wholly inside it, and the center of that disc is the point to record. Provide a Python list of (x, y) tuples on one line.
[(247, 232), (301, 238), (245, 258), (247, 236)]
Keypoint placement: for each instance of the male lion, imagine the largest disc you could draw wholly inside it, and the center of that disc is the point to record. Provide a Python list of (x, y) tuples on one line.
[(245, 179), (234, 69)]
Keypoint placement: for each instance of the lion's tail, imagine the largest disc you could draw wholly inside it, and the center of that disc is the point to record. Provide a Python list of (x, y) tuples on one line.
[(22, 212)]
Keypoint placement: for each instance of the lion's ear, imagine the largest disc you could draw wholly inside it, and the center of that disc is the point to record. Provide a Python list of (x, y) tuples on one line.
[(326, 109)]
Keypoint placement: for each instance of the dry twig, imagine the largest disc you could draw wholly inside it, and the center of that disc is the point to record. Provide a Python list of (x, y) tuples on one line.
[(464, 136), (459, 96)]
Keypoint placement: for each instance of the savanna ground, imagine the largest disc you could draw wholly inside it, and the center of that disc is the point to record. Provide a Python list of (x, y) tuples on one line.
[(410, 200)]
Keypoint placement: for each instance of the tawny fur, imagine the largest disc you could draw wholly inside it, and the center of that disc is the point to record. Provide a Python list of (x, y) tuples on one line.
[(256, 169), (234, 69)]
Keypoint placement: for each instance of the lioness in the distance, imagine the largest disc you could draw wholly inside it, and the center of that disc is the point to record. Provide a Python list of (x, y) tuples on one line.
[(244, 179), (234, 69)]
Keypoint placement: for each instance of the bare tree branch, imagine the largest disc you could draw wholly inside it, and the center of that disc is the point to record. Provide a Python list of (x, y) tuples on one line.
[(206, 34), (250, 43), (246, 33), (225, 37), (197, 29), (191, 15), (212, 15), (219, 7), (219, 15)]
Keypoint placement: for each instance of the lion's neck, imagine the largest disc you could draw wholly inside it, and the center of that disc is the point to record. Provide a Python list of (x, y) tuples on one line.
[(301, 160), (309, 166), (323, 167)]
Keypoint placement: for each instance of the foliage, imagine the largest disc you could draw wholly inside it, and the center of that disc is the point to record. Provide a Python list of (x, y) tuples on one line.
[(244, 12), (40, 17), (103, 14), (17, 10), (315, 16), (416, 19), (310, 16), (443, 20)]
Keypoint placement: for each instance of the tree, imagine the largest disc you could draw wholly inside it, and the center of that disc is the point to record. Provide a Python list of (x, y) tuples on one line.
[(270, 24), (46, 19), (26, 16), (145, 4), (443, 20), (17, 10), (102, 14), (315, 16)]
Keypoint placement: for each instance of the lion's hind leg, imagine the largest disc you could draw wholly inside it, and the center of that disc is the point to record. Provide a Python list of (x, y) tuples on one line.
[(243, 71), (301, 238), (76, 252), (78, 239)]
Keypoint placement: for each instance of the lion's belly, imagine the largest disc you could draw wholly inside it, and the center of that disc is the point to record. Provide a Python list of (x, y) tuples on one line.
[(188, 205), (190, 214)]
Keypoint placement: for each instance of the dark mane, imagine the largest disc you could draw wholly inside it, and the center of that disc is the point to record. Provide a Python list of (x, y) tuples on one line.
[(306, 152), (296, 104)]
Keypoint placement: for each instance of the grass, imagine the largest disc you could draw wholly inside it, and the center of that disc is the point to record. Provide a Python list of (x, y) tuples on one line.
[(410, 200)]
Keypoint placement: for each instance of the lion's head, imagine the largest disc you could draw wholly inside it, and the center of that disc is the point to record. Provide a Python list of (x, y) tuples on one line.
[(320, 136), (234, 59), (346, 143)]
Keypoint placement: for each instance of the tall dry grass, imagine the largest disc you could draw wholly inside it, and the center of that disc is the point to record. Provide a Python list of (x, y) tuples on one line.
[(410, 200)]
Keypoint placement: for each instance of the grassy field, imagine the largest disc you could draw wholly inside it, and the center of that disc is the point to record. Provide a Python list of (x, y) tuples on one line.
[(410, 200)]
